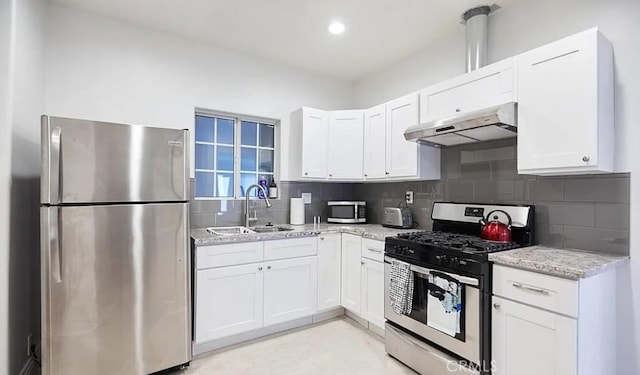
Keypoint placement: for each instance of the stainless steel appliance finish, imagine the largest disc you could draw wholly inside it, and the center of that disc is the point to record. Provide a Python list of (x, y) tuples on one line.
[(396, 217), (421, 357), (476, 20), (91, 161), (346, 212), (115, 275), (247, 216), (492, 123), (453, 250), (470, 347)]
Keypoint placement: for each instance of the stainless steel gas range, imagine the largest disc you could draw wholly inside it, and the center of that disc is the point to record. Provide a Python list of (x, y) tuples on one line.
[(446, 326)]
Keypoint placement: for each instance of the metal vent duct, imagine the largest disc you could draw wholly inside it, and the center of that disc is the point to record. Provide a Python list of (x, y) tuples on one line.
[(476, 21)]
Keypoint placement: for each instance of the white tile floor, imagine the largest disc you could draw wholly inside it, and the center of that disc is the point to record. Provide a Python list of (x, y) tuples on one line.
[(332, 348)]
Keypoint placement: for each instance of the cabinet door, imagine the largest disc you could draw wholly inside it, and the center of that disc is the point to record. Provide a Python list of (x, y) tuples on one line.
[(329, 265), (483, 88), (228, 301), (373, 291), (375, 134), (530, 341), (315, 132), (563, 97), (402, 156), (290, 289), (351, 272), (346, 133)]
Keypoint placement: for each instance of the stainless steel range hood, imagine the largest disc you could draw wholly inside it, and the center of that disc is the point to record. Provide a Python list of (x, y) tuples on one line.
[(487, 124)]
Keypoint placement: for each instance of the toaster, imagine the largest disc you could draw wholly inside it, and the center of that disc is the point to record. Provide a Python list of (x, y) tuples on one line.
[(396, 217)]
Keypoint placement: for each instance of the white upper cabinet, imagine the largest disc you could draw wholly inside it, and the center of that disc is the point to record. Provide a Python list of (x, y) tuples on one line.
[(309, 144), (346, 133), (486, 87), (407, 160), (565, 107), (375, 133)]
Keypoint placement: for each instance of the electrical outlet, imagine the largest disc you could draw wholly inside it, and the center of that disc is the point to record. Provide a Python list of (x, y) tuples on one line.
[(29, 338), (306, 198), (408, 197)]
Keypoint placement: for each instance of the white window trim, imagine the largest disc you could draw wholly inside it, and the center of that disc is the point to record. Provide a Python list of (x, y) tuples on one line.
[(237, 119)]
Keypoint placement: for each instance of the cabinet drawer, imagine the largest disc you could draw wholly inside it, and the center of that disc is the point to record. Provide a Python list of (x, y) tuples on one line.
[(290, 248), (373, 249), (543, 291), (228, 255)]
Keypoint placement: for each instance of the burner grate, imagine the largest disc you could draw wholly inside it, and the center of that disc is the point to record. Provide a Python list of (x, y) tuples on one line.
[(461, 242)]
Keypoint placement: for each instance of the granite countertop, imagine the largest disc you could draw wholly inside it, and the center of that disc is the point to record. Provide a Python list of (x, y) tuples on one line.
[(372, 231), (566, 263)]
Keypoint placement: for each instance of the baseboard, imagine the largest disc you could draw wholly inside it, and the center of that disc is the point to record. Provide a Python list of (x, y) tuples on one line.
[(365, 323)]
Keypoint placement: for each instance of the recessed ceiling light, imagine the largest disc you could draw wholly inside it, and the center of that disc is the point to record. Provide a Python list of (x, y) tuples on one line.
[(336, 28)]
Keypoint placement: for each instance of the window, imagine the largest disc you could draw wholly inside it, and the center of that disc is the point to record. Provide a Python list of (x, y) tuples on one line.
[(232, 153)]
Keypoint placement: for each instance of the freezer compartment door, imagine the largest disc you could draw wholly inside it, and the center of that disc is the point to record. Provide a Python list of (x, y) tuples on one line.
[(115, 289), (97, 162)]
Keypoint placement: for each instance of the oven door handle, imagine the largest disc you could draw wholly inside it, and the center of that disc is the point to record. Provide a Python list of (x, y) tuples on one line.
[(425, 271)]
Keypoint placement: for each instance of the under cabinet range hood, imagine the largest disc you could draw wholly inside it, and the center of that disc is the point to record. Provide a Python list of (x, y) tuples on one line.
[(491, 123)]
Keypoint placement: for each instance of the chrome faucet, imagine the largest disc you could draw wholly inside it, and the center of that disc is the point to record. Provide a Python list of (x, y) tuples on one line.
[(246, 201)]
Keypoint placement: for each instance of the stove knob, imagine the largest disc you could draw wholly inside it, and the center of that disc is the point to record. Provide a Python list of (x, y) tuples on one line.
[(441, 259), (454, 262)]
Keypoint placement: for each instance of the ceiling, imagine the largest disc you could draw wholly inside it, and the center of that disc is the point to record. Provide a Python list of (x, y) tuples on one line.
[(294, 32)]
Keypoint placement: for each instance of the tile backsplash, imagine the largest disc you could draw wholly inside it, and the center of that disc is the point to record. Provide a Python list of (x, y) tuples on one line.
[(207, 213), (583, 212)]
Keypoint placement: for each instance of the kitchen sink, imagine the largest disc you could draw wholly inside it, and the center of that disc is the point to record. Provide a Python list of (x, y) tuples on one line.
[(229, 231), (270, 229)]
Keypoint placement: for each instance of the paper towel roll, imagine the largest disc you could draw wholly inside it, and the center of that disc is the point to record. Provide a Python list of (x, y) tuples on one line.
[(296, 216)]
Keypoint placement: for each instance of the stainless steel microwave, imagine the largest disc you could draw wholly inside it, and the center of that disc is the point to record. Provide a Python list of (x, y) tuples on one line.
[(346, 212)]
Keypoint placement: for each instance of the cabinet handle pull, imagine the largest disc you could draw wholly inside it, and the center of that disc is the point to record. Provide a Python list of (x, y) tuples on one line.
[(306, 173), (386, 172), (458, 110), (530, 288), (321, 238), (362, 262), (268, 267), (259, 268), (374, 250), (496, 306), (586, 159)]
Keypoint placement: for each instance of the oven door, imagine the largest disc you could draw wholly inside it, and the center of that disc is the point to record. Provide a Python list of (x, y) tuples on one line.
[(467, 343)]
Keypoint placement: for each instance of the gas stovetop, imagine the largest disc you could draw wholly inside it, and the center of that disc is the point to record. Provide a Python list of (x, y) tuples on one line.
[(454, 241)]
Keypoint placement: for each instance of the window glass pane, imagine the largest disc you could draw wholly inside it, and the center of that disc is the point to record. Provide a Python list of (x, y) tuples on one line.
[(204, 156), (225, 131), (266, 135), (204, 129), (248, 159), (266, 161), (224, 184), (246, 180), (249, 132), (224, 159), (204, 184)]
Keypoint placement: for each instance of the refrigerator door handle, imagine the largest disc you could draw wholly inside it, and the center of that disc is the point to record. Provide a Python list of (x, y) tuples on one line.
[(54, 244), (56, 135)]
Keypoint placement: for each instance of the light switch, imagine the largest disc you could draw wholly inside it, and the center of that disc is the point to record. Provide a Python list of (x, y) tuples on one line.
[(306, 198)]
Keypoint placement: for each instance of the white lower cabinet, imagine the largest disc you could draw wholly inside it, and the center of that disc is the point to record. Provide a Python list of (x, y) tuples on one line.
[(329, 265), (547, 325), (351, 272), (372, 299), (228, 301), (531, 341), (290, 289)]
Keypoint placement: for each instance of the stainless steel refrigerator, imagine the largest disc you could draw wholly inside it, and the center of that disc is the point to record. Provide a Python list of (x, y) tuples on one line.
[(115, 248)]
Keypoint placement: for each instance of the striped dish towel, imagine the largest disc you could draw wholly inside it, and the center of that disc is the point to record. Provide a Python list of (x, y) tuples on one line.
[(401, 288)]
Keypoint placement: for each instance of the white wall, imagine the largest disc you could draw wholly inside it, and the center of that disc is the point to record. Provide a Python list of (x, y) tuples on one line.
[(105, 70), (6, 45), (27, 106), (524, 25), (519, 27)]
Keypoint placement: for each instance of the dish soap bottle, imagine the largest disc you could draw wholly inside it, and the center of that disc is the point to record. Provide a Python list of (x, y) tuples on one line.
[(273, 189), (262, 181)]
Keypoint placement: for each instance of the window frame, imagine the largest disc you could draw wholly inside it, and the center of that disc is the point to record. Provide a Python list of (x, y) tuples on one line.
[(237, 147)]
